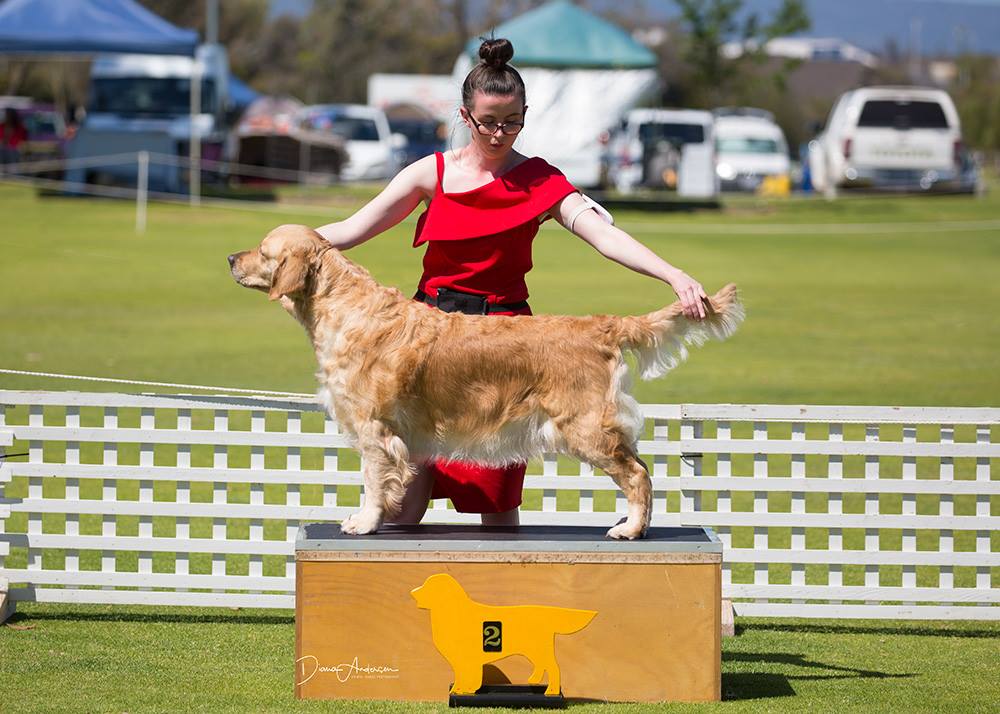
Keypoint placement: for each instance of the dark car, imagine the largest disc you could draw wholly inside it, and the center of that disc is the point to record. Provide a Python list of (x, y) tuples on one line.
[(47, 136), (425, 136)]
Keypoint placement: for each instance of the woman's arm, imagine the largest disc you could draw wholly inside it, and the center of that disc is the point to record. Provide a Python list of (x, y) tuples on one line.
[(622, 248), (396, 201)]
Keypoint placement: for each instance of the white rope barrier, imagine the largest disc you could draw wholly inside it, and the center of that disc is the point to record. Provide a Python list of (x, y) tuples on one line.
[(83, 162), (166, 197), (42, 165), (173, 385), (633, 225)]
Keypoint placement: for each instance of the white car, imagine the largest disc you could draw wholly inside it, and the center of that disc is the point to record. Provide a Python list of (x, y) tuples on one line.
[(749, 147), (374, 152), (647, 146), (905, 138)]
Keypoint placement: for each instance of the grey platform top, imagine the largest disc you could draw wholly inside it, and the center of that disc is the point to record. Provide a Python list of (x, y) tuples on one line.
[(569, 539)]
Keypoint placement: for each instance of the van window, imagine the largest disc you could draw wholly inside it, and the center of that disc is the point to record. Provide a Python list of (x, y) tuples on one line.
[(335, 122), (902, 115), (747, 145), (148, 96), (676, 134), (41, 123)]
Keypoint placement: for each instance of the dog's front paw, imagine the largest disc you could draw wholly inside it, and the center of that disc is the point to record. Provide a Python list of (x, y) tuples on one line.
[(361, 523), (624, 530)]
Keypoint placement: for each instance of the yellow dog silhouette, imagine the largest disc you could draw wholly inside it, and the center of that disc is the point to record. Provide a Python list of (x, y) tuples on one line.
[(470, 634)]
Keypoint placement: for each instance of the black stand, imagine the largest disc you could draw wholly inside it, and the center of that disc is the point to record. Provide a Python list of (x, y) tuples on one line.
[(519, 696)]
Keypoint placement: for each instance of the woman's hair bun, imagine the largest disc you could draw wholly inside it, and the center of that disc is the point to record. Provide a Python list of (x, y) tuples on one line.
[(496, 52)]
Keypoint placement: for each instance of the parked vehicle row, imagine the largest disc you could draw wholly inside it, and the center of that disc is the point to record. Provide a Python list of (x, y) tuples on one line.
[(895, 138), (728, 149), (886, 138), (143, 102), (645, 150)]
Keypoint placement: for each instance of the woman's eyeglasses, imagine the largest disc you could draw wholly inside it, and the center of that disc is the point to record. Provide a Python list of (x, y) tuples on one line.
[(489, 127)]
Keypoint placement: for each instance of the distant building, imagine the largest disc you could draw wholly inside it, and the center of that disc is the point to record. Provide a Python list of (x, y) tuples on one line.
[(943, 72), (819, 49)]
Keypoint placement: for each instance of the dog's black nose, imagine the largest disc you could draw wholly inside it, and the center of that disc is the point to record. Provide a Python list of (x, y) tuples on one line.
[(232, 259)]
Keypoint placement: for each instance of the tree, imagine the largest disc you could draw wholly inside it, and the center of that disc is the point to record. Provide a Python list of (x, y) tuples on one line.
[(709, 24), (977, 99), (241, 24)]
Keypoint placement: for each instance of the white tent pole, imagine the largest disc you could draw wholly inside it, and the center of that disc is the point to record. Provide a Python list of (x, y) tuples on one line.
[(141, 194), (194, 170), (212, 22)]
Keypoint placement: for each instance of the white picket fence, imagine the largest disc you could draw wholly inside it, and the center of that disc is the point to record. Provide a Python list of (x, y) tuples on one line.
[(825, 511)]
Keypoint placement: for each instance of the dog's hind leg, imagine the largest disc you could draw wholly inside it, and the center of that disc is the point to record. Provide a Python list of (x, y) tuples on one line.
[(631, 475), (387, 472), (612, 451)]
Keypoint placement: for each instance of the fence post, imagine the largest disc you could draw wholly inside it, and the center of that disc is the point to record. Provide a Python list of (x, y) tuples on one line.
[(305, 159), (6, 604), (142, 192), (194, 145)]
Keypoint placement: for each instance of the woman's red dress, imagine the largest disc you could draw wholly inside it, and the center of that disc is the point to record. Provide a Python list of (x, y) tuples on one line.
[(479, 242)]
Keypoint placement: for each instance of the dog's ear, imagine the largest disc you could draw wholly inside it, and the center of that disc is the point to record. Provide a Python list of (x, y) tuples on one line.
[(289, 277)]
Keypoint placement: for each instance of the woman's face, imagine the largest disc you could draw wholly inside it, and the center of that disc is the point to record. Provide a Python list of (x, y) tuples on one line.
[(493, 108)]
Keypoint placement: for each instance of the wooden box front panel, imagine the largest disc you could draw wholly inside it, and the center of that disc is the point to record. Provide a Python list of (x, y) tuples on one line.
[(360, 634)]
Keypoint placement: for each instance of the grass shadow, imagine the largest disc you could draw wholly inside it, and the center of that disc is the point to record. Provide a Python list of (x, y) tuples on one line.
[(235, 617), (944, 630), (763, 685)]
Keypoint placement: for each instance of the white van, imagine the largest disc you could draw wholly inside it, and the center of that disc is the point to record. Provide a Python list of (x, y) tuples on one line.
[(905, 138), (647, 148), (749, 148), (374, 152), (143, 103)]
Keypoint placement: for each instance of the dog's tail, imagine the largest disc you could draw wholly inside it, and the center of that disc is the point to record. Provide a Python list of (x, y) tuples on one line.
[(397, 480), (659, 339), (565, 621)]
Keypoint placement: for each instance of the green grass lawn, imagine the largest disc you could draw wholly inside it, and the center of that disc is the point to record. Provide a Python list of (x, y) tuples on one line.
[(862, 301), (881, 315), (98, 658)]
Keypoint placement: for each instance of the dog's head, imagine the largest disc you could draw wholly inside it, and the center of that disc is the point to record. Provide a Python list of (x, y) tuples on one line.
[(437, 590), (282, 263)]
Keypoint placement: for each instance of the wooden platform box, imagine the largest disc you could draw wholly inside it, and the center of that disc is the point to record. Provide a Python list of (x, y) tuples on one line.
[(653, 632)]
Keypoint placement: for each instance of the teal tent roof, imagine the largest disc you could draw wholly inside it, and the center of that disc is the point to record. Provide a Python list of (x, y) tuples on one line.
[(560, 34)]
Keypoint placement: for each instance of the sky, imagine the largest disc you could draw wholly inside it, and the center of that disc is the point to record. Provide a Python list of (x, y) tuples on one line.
[(932, 26)]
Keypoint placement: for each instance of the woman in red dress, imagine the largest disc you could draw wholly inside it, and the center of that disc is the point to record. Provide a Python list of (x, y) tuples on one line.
[(485, 202)]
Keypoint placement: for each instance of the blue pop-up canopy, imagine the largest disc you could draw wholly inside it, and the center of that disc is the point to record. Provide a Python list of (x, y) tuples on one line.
[(48, 27), (240, 94)]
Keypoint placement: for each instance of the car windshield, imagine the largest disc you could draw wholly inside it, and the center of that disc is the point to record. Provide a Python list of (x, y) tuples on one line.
[(747, 145), (42, 124), (351, 128), (675, 133), (418, 132), (902, 115), (148, 96)]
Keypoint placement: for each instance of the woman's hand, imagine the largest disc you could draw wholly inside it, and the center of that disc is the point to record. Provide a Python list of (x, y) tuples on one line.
[(691, 294)]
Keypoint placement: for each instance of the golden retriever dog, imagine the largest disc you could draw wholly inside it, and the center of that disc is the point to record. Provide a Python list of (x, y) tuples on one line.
[(408, 382), (469, 634)]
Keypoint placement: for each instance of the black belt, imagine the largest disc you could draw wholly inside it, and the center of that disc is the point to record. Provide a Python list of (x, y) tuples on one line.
[(448, 300)]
